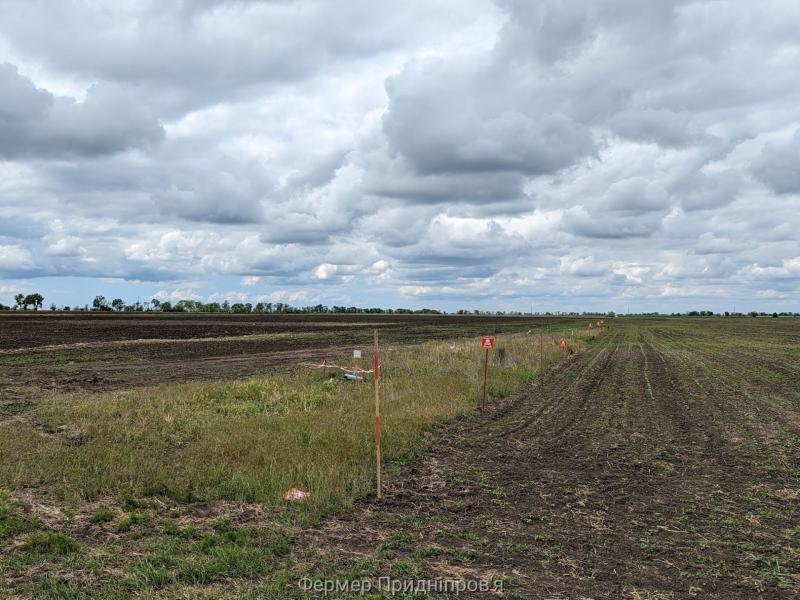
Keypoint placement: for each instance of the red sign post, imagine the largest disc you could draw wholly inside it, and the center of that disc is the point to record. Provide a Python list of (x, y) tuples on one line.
[(487, 343)]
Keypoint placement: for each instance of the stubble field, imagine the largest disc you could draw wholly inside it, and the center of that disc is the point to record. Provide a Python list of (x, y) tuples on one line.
[(660, 460), (663, 462)]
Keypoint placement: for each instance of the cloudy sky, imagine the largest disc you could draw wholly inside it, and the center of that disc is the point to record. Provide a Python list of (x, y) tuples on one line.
[(507, 155)]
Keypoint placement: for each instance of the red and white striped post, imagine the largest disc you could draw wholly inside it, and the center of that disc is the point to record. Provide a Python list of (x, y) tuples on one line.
[(541, 353), (377, 417)]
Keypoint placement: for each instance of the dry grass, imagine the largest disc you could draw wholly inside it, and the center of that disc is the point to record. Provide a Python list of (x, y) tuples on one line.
[(250, 441), (79, 523)]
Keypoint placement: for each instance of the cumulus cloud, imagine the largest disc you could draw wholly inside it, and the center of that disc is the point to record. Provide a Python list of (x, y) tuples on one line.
[(410, 291), (443, 119), (583, 267), (176, 295), (221, 199), (34, 122), (470, 151), (232, 296), (778, 165), (325, 271), (21, 227), (635, 196), (581, 223), (660, 126), (379, 267), (13, 258), (701, 191), (708, 243), (66, 246), (286, 296)]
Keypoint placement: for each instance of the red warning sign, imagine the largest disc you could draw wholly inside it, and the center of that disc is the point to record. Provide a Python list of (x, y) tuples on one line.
[(487, 343), (563, 343)]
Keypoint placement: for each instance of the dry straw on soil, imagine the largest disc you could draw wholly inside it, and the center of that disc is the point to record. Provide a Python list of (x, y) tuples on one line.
[(252, 440)]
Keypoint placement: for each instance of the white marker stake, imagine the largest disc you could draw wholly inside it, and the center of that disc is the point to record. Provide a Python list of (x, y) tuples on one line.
[(357, 354)]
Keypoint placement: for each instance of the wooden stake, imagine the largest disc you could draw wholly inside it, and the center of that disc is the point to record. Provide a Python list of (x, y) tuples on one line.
[(485, 374), (325, 369), (541, 353), (377, 417)]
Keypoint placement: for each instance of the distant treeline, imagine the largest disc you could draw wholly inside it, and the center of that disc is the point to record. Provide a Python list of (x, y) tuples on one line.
[(100, 303), (195, 306), (710, 313)]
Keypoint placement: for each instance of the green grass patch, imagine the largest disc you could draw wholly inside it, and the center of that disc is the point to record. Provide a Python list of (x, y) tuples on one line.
[(49, 543), (103, 515), (11, 521)]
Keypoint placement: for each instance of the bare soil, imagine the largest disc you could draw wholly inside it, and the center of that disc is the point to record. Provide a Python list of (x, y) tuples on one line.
[(639, 468), (661, 462), (98, 352)]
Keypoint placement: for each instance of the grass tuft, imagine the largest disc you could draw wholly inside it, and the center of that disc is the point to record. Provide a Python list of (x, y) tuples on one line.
[(11, 522), (103, 515), (49, 543)]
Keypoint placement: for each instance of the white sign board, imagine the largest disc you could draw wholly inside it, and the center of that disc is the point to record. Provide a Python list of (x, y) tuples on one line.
[(356, 353)]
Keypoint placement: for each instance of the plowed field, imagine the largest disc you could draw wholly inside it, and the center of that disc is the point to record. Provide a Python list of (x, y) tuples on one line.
[(101, 351), (661, 463)]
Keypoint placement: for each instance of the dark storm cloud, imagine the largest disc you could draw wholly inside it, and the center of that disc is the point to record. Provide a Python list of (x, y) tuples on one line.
[(34, 122)]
